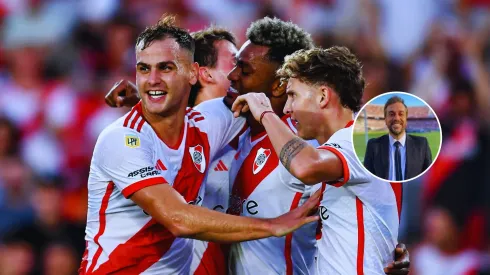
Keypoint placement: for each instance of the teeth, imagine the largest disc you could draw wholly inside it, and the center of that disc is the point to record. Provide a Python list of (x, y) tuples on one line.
[(156, 93)]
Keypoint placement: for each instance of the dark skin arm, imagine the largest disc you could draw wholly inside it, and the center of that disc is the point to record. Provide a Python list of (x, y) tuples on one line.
[(123, 93)]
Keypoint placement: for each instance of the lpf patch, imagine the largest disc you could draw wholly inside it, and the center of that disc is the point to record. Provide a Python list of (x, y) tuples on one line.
[(132, 141), (260, 159), (197, 155)]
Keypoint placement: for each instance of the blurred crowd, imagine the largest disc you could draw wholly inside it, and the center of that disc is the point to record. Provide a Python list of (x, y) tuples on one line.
[(59, 57)]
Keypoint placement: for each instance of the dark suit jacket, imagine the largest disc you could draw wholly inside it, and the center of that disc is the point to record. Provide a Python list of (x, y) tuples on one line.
[(418, 156)]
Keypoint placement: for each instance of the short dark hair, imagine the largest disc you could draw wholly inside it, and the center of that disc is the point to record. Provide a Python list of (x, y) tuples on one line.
[(283, 38), (166, 28), (206, 53), (335, 67), (393, 100)]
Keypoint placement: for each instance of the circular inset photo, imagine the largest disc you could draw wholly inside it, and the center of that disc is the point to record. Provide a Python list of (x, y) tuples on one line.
[(397, 136)]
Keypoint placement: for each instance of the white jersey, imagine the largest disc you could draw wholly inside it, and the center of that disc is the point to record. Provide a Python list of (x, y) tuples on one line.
[(130, 156), (263, 188), (359, 216), (212, 258)]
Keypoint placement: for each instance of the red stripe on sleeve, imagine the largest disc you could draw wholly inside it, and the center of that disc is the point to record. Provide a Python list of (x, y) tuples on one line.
[(102, 221), (360, 237), (345, 167), (289, 238), (129, 190), (126, 121), (133, 123)]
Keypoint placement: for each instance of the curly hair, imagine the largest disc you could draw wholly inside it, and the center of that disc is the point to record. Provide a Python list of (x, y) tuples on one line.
[(166, 28), (335, 67), (283, 38)]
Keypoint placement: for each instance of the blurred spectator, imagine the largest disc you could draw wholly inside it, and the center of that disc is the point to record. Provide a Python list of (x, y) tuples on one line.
[(48, 226), (60, 259), (16, 258)]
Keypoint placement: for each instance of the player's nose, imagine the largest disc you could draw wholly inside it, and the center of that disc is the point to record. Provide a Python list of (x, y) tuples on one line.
[(154, 78), (233, 74)]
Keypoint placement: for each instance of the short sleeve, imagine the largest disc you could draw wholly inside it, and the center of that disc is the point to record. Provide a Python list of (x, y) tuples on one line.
[(126, 158), (222, 122), (353, 171)]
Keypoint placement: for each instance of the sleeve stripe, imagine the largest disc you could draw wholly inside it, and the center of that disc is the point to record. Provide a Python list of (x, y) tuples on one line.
[(345, 167), (131, 189)]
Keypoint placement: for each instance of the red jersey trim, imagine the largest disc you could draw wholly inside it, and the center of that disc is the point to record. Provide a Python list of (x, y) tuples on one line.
[(398, 190), (102, 221), (289, 238), (360, 237), (131, 189), (345, 167), (134, 116)]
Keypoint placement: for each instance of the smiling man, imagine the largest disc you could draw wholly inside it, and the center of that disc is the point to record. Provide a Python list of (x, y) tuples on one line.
[(148, 166), (397, 156)]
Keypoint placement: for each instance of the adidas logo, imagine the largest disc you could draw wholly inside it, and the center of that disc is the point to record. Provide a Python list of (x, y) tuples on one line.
[(220, 166), (160, 166)]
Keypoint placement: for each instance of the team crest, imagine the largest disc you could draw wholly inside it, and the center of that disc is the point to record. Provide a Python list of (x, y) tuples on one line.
[(261, 159), (132, 141), (197, 155)]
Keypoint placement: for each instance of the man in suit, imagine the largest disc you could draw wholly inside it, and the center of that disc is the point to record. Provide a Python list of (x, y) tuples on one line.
[(397, 156)]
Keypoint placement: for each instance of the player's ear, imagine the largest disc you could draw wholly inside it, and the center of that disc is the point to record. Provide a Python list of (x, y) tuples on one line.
[(325, 96), (205, 75), (278, 87), (194, 71)]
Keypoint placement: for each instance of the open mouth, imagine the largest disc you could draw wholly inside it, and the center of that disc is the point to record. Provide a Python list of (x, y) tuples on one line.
[(156, 95)]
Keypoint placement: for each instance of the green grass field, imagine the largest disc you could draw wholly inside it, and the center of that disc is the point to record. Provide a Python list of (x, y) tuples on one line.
[(434, 139)]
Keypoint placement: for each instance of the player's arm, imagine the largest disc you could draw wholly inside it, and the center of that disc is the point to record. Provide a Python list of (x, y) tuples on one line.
[(168, 207), (401, 264), (123, 93), (305, 162)]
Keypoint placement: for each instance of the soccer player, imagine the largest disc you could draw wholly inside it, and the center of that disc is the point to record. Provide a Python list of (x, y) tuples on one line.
[(360, 214), (215, 50), (148, 166)]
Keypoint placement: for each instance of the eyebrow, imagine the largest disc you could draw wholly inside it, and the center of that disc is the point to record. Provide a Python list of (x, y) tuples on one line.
[(290, 91), (158, 64)]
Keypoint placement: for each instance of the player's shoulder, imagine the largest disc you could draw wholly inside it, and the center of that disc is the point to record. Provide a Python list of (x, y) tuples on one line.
[(211, 106)]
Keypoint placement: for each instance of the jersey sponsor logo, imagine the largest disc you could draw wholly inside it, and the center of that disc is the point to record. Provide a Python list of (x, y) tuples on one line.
[(322, 211), (197, 155), (132, 141), (197, 201), (144, 172), (239, 206), (260, 160), (335, 145)]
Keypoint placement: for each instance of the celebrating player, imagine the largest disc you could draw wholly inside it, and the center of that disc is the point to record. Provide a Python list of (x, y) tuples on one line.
[(360, 215), (148, 166)]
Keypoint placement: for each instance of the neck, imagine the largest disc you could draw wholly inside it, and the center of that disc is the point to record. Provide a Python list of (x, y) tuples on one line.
[(333, 121), (277, 107), (397, 137), (206, 93), (168, 127)]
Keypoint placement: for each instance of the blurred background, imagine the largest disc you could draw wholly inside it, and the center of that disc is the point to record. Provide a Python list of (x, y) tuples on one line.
[(59, 57)]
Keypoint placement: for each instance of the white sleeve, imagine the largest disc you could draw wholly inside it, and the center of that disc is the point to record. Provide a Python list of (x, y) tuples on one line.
[(222, 122), (126, 158), (353, 171)]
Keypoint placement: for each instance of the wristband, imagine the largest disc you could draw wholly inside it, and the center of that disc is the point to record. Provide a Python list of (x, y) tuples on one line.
[(262, 115)]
